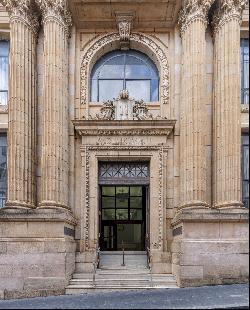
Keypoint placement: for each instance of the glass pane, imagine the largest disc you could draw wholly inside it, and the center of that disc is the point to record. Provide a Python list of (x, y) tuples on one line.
[(113, 68), (136, 202), (4, 48), (122, 191), (155, 90), (136, 215), (109, 89), (136, 191), (246, 163), (4, 67), (139, 90), (121, 203), (94, 90), (246, 190), (136, 69), (108, 191), (3, 97), (122, 214), (108, 214), (129, 236), (108, 202)]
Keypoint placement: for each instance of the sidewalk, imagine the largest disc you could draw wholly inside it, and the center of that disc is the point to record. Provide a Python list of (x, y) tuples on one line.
[(209, 297)]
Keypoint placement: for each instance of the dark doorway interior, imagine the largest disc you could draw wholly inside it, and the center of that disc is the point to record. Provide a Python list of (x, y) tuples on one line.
[(123, 217)]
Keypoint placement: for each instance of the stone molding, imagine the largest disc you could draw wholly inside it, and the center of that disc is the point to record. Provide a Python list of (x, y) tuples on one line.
[(101, 42), (56, 10), (226, 11), (124, 128), (210, 215), (23, 11), (193, 10)]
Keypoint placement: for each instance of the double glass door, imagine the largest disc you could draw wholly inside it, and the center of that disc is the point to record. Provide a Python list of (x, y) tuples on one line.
[(123, 218)]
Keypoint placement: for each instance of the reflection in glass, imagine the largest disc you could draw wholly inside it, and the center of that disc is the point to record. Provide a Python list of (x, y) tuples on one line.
[(109, 90), (108, 214), (122, 191), (135, 202), (108, 191), (129, 236), (136, 215), (121, 214), (136, 191), (108, 202), (139, 90), (122, 203)]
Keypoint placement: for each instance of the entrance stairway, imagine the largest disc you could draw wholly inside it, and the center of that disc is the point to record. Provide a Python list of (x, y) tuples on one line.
[(112, 275)]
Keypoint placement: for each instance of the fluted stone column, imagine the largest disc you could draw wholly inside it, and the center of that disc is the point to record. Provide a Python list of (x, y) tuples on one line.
[(226, 112), (22, 104), (55, 166), (193, 23)]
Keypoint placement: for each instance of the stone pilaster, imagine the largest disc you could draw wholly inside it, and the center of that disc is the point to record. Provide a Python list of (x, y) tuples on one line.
[(226, 112), (193, 23), (55, 166), (22, 104)]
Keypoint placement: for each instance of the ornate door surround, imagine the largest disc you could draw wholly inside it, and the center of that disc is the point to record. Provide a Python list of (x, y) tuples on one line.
[(111, 140)]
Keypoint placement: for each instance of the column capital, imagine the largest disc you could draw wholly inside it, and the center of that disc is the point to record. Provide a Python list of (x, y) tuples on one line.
[(23, 10), (56, 10), (192, 10), (228, 10)]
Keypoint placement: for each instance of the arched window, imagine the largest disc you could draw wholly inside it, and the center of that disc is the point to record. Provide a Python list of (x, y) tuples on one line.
[(129, 70)]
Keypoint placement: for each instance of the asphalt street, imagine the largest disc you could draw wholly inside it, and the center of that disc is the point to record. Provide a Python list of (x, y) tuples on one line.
[(208, 297)]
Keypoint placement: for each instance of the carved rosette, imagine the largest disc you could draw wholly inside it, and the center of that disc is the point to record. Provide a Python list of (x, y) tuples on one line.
[(56, 10), (228, 10), (193, 10), (24, 11)]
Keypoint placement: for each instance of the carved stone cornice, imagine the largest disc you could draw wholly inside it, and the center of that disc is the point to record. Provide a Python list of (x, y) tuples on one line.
[(23, 10), (58, 11), (192, 10), (226, 11)]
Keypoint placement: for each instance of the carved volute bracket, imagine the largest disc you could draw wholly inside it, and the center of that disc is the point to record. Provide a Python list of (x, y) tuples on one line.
[(226, 11), (192, 10), (24, 11), (56, 10), (124, 23)]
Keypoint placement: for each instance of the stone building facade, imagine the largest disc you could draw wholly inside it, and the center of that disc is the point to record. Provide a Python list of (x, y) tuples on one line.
[(123, 126)]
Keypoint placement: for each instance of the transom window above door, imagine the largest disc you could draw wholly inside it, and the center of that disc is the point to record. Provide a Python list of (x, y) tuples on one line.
[(119, 70)]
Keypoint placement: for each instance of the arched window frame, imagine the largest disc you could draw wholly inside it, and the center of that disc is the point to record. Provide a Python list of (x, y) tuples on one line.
[(123, 78)]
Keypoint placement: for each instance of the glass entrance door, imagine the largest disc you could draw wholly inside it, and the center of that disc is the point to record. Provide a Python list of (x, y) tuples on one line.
[(123, 218)]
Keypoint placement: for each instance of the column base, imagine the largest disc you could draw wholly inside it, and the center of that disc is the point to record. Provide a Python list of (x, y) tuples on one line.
[(15, 204), (229, 205), (194, 204), (52, 205)]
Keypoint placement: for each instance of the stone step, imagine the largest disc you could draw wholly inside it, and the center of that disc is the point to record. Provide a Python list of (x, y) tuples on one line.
[(74, 289)]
